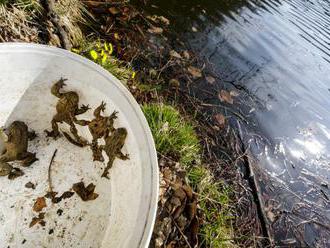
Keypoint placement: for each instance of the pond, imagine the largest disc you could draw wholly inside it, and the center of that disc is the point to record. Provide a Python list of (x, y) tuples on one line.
[(276, 55)]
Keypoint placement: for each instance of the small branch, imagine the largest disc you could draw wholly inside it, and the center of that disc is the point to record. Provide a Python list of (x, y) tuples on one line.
[(55, 19), (49, 172)]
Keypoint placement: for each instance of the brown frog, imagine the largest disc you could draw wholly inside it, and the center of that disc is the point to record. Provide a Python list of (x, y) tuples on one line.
[(67, 109), (16, 145), (100, 127), (113, 145), (5, 169)]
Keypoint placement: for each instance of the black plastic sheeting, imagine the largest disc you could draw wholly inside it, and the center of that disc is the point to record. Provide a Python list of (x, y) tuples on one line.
[(276, 54)]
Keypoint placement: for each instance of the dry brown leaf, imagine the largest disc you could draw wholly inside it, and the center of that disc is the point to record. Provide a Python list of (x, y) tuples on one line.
[(85, 193), (155, 30), (39, 219), (221, 119), (186, 54), (114, 10), (39, 204), (195, 72), (234, 93), (164, 20), (225, 96), (210, 79), (175, 54)]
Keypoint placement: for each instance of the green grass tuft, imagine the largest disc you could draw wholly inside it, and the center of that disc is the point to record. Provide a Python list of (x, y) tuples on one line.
[(172, 134), (214, 201)]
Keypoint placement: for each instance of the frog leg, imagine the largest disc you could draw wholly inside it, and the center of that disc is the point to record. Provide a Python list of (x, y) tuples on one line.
[(74, 131), (97, 151), (55, 132), (27, 158), (81, 122), (55, 90), (99, 109), (6, 158), (32, 135)]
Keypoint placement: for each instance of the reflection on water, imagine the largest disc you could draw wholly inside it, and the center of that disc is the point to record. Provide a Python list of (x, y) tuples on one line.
[(277, 53)]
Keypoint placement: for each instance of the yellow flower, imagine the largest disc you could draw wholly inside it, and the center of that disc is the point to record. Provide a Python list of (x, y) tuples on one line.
[(106, 46), (75, 50), (133, 74), (111, 48), (104, 59), (94, 54)]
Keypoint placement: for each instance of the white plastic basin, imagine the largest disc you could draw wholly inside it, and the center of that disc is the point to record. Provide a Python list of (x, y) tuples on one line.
[(123, 215)]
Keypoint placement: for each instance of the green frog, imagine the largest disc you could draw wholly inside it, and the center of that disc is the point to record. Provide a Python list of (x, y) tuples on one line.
[(113, 145), (67, 109), (100, 127), (17, 144)]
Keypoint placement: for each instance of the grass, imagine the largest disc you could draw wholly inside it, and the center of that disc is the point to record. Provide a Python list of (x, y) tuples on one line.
[(172, 134), (175, 135)]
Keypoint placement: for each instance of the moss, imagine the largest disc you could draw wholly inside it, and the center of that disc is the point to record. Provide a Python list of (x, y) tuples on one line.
[(172, 134), (175, 135)]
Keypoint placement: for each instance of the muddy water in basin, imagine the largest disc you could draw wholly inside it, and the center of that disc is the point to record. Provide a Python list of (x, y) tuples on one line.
[(276, 56)]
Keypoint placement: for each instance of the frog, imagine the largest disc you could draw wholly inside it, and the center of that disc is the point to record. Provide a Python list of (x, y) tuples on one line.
[(67, 108), (16, 145), (113, 145), (100, 127)]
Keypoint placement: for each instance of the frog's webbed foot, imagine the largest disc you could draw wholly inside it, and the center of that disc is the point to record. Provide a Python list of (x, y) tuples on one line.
[(32, 135), (106, 173), (99, 109), (57, 86), (28, 158), (15, 172), (114, 115), (123, 156), (82, 109), (80, 143), (53, 134)]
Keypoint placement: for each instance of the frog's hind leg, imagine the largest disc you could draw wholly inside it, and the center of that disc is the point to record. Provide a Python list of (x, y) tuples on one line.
[(74, 131), (28, 158), (5, 157), (97, 151), (55, 131)]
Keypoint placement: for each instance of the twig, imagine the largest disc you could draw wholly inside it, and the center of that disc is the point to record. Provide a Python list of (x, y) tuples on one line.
[(177, 226), (49, 172), (49, 6)]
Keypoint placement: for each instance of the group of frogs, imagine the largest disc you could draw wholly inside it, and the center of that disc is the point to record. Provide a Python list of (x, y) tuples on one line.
[(67, 110)]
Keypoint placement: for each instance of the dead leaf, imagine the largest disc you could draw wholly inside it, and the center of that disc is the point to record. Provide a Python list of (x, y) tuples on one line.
[(39, 204), (114, 10), (174, 83), (186, 55), (195, 72), (188, 191), (194, 29), (39, 219), (210, 79), (192, 210), (164, 20), (155, 30), (225, 96), (221, 119), (85, 193), (234, 93), (175, 54)]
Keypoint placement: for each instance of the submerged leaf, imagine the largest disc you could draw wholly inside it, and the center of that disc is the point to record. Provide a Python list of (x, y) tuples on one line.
[(221, 120), (155, 30), (210, 79), (225, 96), (195, 72)]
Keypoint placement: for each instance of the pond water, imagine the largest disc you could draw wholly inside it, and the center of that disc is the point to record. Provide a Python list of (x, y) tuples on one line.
[(276, 55)]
